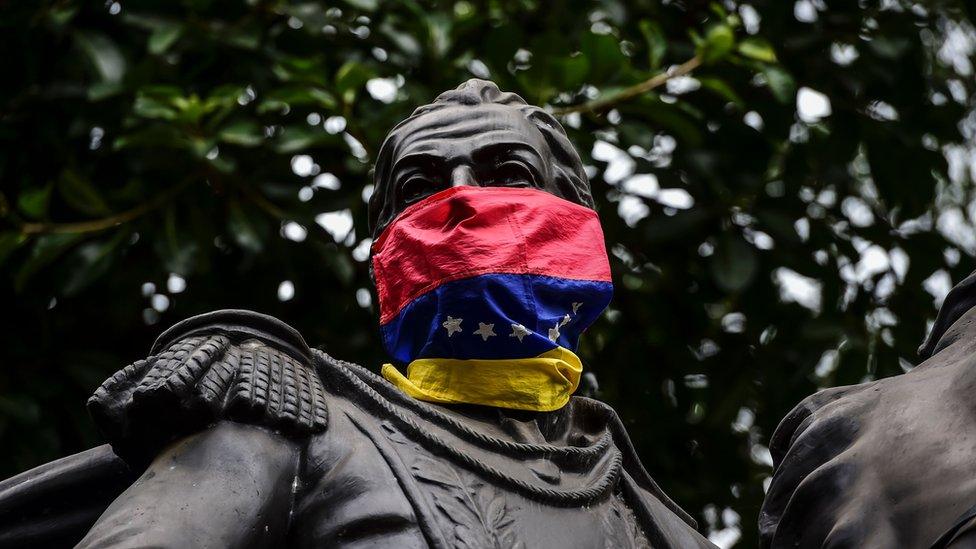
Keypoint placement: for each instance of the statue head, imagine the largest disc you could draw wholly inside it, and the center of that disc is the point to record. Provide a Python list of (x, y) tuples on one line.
[(475, 135), (502, 261)]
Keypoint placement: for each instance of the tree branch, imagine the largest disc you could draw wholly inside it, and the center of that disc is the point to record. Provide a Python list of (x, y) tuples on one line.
[(95, 225), (599, 105)]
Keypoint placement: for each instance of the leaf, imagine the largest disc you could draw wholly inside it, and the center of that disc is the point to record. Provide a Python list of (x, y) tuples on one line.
[(780, 83), (404, 41), (247, 37), (244, 133), (61, 15), (297, 138), (570, 72), (427, 470), (311, 14), (734, 264), (670, 118), (657, 44), (890, 47), (150, 107), (80, 194), (717, 44), (296, 95), (604, 56), (158, 135), (439, 28), (90, 261), (721, 88), (9, 242), (226, 94), (23, 408), (33, 202), (46, 250), (549, 75), (350, 77), (903, 172), (174, 245), (103, 90), (341, 266), (104, 55), (365, 5), (758, 49), (164, 36), (243, 230)]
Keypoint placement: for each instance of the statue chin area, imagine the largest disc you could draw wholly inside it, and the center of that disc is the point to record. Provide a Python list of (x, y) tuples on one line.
[(489, 263)]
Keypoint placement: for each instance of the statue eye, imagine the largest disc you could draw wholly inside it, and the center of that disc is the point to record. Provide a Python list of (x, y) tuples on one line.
[(512, 174), (415, 188)]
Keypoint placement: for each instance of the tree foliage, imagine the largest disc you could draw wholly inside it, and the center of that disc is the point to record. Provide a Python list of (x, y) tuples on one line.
[(785, 189)]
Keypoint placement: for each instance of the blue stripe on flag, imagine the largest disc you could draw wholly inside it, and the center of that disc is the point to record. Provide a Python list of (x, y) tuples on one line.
[(487, 306)]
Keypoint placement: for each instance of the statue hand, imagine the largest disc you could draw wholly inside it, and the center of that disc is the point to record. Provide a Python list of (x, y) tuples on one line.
[(881, 464)]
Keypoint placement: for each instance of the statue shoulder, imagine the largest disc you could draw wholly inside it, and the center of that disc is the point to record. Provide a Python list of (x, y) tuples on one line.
[(225, 365)]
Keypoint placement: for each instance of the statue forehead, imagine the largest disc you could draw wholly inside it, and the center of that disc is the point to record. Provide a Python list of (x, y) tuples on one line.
[(452, 130)]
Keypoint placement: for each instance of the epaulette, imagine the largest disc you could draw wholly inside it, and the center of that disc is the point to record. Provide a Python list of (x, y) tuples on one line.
[(232, 365)]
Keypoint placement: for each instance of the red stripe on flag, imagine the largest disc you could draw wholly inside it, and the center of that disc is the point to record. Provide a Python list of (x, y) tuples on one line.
[(441, 239)]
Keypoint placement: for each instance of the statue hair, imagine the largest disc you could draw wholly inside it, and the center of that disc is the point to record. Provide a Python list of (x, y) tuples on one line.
[(567, 168)]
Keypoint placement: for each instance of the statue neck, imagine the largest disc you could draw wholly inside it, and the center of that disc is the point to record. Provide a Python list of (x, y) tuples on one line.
[(517, 425)]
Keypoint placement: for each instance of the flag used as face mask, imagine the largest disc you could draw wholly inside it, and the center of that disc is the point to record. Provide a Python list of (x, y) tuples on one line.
[(484, 292)]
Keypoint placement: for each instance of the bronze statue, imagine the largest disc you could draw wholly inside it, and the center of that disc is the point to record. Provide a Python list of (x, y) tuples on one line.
[(887, 463), (234, 433)]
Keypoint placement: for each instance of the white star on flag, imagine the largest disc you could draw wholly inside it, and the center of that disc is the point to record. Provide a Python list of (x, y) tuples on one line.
[(485, 330), (519, 331), (554, 333), (565, 320), (452, 325), (576, 306)]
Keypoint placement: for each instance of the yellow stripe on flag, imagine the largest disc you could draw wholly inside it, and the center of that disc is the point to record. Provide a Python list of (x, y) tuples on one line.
[(543, 383)]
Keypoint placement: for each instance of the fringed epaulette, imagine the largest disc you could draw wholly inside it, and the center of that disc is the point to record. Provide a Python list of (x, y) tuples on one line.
[(231, 364)]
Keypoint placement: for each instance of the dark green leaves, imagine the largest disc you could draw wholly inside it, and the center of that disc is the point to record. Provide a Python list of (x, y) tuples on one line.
[(242, 228), (244, 133), (90, 261), (657, 44), (758, 49), (602, 52), (171, 158), (734, 264), (33, 202), (780, 83), (164, 36), (104, 55), (81, 194), (717, 44), (350, 78)]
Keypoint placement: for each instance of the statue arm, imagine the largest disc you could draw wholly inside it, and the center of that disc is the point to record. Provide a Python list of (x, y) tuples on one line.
[(228, 486)]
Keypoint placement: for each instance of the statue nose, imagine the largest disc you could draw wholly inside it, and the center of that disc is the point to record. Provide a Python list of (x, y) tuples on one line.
[(463, 176)]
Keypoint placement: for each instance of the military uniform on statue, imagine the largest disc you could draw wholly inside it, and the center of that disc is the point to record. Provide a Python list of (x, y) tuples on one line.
[(489, 263)]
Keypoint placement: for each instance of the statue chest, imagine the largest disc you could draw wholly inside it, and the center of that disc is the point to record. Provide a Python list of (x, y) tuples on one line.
[(370, 483)]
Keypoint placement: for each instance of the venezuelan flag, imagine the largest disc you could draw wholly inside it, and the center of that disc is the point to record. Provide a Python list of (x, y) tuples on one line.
[(484, 293)]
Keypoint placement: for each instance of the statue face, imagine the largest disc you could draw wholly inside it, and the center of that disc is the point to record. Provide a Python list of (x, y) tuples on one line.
[(485, 145)]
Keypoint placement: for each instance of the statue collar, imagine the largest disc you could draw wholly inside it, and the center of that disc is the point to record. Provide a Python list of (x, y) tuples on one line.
[(587, 455)]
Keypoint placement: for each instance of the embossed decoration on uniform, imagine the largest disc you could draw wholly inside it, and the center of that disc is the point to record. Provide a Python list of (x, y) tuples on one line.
[(484, 293)]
